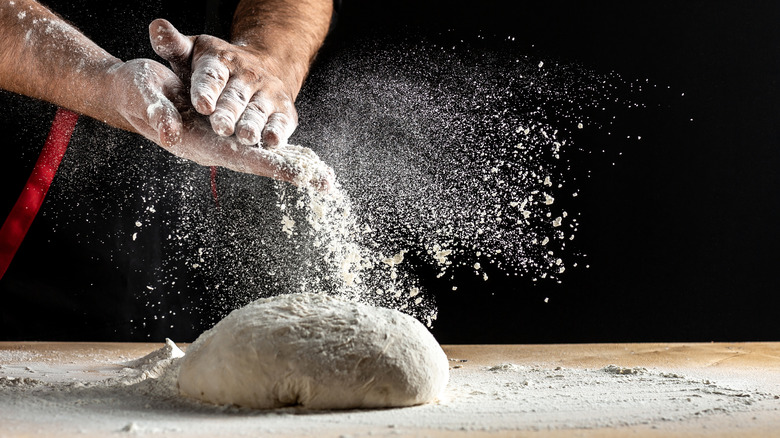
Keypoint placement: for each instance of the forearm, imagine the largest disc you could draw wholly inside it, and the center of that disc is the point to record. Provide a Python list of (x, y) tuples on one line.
[(287, 31), (44, 57)]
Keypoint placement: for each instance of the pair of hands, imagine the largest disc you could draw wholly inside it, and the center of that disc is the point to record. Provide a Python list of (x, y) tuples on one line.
[(215, 104)]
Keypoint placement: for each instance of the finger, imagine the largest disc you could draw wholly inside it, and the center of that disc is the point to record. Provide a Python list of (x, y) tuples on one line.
[(293, 164), (209, 77), (250, 125), (278, 130), (172, 46), (232, 102), (166, 121)]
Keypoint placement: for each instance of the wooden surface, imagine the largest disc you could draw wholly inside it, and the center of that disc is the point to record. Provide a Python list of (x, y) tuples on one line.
[(756, 364)]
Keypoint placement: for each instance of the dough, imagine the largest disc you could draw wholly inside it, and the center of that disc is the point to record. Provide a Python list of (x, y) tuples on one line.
[(315, 351)]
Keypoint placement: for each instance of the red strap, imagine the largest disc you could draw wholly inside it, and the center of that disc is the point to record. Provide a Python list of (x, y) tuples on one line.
[(21, 217)]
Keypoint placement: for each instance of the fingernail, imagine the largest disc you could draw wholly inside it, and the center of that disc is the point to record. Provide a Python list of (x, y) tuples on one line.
[(247, 135), (271, 137), (204, 104), (222, 124)]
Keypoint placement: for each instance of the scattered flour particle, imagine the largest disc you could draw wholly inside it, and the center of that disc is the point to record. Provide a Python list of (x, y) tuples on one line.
[(414, 292), (138, 223), (21, 15), (548, 200), (395, 260), (135, 235), (441, 256), (541, 64), (547, 181), (557, 221), (287, 225), (579, 126), (454, 287), (131, 427), (504, 367), (547, 300), (485, 277), (545, 241), (477, 266)]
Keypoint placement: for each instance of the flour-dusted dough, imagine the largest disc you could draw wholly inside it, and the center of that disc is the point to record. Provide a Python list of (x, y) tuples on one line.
[(315, 351)]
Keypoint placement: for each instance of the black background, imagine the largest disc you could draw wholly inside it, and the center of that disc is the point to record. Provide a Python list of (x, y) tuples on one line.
[(680, 234)]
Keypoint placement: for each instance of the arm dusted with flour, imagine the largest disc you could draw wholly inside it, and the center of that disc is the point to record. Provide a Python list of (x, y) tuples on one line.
[(248, 86), (44, 57)]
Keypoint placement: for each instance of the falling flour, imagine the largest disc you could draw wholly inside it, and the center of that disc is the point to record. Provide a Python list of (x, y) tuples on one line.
[(443, 158)]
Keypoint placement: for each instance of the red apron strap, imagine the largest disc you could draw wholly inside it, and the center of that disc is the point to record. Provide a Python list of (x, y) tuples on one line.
[(21, 217)]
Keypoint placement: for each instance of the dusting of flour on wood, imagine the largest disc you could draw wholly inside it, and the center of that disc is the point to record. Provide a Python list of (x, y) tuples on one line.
[(100, 394)]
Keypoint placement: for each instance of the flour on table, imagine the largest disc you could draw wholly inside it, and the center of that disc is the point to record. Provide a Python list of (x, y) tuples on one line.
[(96, 393), (315, 351)]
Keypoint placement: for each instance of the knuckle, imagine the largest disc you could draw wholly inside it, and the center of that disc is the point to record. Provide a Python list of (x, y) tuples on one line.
[(255, 109), (209, 72), (251, 76), (235, 94), (226, 56)]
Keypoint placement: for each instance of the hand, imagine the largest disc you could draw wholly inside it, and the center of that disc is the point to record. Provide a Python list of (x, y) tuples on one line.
[(151, 98), (239, 88)]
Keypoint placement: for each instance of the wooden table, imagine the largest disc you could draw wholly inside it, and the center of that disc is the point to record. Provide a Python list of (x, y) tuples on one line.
[(731, 365)]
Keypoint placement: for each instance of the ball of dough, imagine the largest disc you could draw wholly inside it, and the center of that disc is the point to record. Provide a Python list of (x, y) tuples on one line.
[(315, 351)]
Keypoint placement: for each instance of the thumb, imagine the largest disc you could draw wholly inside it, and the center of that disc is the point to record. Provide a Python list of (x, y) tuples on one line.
[(172, 46), (166, 120)]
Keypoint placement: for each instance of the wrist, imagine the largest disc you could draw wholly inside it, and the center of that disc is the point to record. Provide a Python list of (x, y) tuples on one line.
[(287, 34), (107, 105), (288, 66)]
